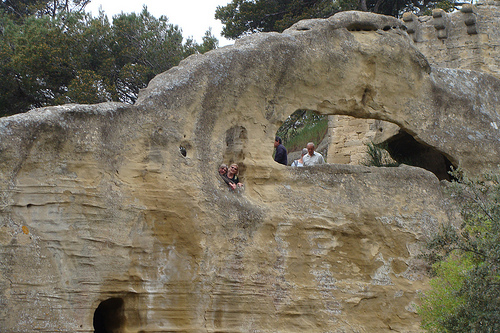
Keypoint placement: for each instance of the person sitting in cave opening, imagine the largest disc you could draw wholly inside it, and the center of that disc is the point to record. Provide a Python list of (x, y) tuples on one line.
[(232, 177), (300, 162), (223, 174)]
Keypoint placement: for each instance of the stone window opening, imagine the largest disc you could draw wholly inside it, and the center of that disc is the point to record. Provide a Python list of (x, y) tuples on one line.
[(301, 127), (236, 148), (404, 149), (183, 151), (345, 140)]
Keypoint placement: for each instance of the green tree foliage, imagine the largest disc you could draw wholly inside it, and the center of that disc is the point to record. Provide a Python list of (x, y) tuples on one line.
[(143, 47), (301, 127), (248, 16), (209, 42), (21, 9), (377, 155), (466, 288), (76, 58), (443, 300), (241, 17)]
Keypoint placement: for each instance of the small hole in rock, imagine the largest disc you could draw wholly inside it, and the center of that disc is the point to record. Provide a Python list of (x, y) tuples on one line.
[(183, 150)]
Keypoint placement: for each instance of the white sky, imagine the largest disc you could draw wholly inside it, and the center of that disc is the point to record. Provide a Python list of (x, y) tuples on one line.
[(194, 17)]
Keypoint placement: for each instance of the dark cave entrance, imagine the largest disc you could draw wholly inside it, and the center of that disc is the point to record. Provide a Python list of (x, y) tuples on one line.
[(404, 149), (109, 316)]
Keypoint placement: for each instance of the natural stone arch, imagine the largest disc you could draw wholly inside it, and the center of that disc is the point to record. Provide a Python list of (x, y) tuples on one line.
[(321, 65)]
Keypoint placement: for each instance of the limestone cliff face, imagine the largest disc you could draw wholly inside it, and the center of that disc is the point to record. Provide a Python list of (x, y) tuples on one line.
[(113, 217)]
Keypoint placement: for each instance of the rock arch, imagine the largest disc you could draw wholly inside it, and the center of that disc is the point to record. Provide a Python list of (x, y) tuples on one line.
[(322, 65)]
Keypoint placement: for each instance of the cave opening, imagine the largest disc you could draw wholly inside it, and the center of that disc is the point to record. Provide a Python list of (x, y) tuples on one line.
[(404, 149), (346, 140), (109, 316)]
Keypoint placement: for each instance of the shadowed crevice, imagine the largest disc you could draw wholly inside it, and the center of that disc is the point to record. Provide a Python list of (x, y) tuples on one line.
[(405, 149)]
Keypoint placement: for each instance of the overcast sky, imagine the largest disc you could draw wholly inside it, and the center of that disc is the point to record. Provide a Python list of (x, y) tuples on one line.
[(194, 17)]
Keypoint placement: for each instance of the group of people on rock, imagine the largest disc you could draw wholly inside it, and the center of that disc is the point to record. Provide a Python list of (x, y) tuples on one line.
[(308, 157), (230, 175)]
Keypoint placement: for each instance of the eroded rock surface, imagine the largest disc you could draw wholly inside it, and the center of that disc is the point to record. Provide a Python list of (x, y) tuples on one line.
[(105, 223), (466, 39)]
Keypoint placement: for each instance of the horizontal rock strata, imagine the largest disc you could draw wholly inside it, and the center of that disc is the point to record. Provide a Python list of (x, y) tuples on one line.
[(114, 216)]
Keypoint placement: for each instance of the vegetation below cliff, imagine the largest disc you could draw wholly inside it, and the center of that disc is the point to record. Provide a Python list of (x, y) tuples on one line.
[(465, 259)]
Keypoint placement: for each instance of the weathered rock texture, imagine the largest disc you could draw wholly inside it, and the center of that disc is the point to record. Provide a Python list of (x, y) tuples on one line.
[(105, 223), (466, 39), (470, 37), (349, 136)]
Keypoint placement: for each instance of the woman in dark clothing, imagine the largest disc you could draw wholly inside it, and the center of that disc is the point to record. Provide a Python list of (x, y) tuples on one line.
[(232, 176)]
